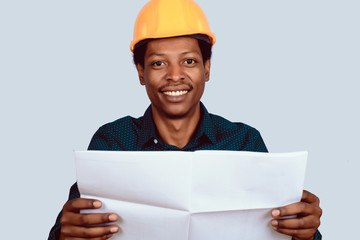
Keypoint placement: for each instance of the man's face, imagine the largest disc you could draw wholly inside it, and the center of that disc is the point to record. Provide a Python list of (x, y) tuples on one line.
[(174, 76)]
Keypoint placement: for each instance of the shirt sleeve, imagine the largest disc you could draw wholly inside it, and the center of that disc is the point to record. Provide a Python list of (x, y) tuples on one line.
[(317, 235), (259, 145), (102, 139)]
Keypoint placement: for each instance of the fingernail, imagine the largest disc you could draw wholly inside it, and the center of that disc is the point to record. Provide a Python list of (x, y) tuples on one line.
[(274, 222), (114, 229), (97, 204), (275, 213), (112, 217)]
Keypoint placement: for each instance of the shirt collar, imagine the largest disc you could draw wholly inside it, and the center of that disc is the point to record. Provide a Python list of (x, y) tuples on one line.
[(205, 128), (147, 132)]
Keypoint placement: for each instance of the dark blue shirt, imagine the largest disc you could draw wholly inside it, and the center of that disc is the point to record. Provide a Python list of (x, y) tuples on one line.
[(212, 133), (139, 134)]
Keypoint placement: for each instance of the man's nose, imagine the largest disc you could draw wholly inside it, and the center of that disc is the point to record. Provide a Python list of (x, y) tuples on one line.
[(175, 73)]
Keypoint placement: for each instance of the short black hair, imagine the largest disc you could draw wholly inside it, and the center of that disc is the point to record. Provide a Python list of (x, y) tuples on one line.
[(205, 48)]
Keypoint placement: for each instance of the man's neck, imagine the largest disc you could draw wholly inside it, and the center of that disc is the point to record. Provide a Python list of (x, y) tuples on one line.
[(177, 131)]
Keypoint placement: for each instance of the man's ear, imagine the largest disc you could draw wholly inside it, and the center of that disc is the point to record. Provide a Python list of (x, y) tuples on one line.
[(207, 70), (140, 70)]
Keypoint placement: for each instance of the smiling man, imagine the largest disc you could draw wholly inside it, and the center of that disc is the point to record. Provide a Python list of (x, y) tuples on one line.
[(174, 75), (172, 50)]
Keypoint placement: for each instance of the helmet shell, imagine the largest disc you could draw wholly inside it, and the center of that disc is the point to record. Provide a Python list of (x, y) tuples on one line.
[(170, 18)]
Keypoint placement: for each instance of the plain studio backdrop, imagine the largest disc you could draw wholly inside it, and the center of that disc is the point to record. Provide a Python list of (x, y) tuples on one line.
[(291, 69)]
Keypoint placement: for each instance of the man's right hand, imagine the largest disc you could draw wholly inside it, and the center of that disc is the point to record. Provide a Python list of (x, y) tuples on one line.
[(76, 225)]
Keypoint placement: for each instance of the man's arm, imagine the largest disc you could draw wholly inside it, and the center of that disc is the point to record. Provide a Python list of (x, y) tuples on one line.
[(55, 230), (100, 141), (71, 223), (308, 211), (307, 221), (76, 225)]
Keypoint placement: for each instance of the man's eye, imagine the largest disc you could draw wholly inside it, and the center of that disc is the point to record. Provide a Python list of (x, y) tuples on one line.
[(158, 63), (190, 61)]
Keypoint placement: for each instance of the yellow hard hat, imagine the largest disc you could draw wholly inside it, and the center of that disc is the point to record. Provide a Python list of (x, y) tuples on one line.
[(170, 18)]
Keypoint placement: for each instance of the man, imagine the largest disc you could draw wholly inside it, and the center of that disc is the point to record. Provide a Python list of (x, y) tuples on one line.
[(172, 50)]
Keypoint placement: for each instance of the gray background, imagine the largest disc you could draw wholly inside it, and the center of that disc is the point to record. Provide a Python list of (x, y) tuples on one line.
[(288, 68)]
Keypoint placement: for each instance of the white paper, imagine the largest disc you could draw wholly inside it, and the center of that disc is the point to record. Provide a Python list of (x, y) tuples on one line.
[(198, 195)]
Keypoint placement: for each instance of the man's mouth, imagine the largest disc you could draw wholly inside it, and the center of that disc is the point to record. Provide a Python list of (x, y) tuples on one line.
[(176, 93)]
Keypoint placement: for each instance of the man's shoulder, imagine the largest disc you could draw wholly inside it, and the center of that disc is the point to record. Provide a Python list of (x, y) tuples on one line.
[(224, 125), (120, 134), (123, 124), (236, 136)]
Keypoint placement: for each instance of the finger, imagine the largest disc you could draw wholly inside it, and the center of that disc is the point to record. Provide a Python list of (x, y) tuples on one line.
[(70, 218), (77, 204), (297, 223), (309, 198), (96, 238), (88, 232), (299, 208), (298, 233)]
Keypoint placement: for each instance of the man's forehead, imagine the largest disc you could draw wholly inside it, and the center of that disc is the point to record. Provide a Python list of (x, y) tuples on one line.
[(174, 45)]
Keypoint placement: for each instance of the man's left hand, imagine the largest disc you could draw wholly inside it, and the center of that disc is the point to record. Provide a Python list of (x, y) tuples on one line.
[(306, 222)]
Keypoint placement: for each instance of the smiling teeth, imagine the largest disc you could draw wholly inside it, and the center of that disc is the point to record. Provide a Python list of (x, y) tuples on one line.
[(175, 93)]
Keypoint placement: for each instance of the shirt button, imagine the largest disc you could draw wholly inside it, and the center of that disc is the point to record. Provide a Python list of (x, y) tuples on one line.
[(156, 141)]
